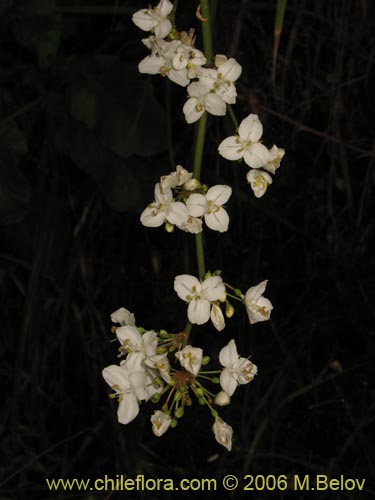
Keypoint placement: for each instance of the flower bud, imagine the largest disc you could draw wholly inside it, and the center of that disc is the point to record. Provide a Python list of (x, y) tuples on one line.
[(169, 227), (161, 422), (215, 380), (192, 185), (229, 309), (179, 412), (205, 360), (173, 423), (164, 334), (161, 350), (199, 391), (155, 397), (222, 399), (201, 401)]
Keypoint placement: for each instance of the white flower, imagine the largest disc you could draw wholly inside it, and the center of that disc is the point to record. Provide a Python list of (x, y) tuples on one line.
[(201, 99), (276, 155), (236, 370), (128, 387), (199, 295), (161, 61), (190, 358), (258, 180), (222, 399), (211, 206), (161, 422), (123, 317), (192, 225), (164, 208), (160, 362), (223, 433), (246, 144), (217, 317), (174, 179), (222, 79), (137, 346), (155, 19), (258, 307), (190, 58)]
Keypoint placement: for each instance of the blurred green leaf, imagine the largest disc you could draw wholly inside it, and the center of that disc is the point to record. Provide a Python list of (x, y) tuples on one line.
[(38, 27), (121, 109), (14, 188)]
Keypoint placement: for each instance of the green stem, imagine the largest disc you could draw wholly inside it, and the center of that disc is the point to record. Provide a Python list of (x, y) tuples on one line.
[(206, 30), (233, 116), (199, 146), (200, 255)]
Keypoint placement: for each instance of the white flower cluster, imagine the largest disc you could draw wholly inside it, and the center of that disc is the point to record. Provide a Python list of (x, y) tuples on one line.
[(161, 366), (191, 205), (146, 374), (178, 60), (246, 145)]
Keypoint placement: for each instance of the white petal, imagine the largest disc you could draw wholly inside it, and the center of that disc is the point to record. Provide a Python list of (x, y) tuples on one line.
[(230, 69), (199, 311), (143, 20), (231, 148), (198, 89), (259, 180), (180, 77), (163, 28), (162, 196), (217, 317), (219, 194), (151, 217), (256, 155), (128, 409), (115, 375), (256, 291), (213, 288), (218, 221), (129, 335), (164, 8), (177, 213), (223, 433), (196, 205), (192, 110), (228, 354), (184, 283), (123, 317), (151, 65), (250, 129), (161, 422), (228, 382), (215, 105)]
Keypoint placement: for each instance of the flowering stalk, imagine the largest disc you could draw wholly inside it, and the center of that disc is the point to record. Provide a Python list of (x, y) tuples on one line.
[(157, 365)]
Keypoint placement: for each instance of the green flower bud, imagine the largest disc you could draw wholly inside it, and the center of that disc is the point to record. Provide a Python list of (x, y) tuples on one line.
[(206, 360), (229, 309), (215, 380), (179, 412), (169, 227), (173, 423), (161, 350)]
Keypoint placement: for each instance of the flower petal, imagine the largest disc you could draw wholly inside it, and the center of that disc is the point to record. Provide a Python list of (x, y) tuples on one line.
[(218, 221), (227, 382), (231, 148), (199, 311), (228, 354), (213, 288), (183, 285), (196, 205), (215, 105), (151, 65), (256, 155), (250, 129), (219, 194), (128, 409)]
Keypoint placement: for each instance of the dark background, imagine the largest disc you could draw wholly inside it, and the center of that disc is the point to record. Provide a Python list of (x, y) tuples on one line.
[(83, 139)]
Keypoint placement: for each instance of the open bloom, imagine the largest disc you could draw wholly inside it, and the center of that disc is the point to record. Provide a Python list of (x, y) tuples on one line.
[(199, 295), (246, 144), (164, 208), (161, 422), (176, 178), (128, 387), (258, 307), (201, 99), (259, 181), (155, 19), (190, 358), (222, 79), (276, 155), (137, 346), (211, 206), (237, 370), (123, 317), (223, 433)]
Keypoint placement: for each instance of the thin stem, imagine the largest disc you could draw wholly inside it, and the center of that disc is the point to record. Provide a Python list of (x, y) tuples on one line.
[(206, 30), (199, 146), (200, 255), (233, 116)]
